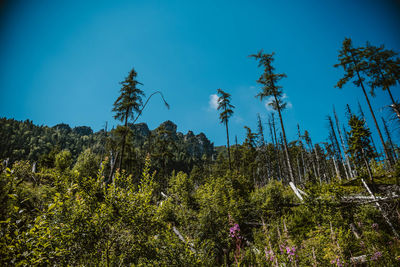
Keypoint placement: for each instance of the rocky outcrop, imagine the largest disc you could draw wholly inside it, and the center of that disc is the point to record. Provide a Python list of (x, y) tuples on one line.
[(140, 129), (169, 126), (83, 130), (198, 145), (195, 145)]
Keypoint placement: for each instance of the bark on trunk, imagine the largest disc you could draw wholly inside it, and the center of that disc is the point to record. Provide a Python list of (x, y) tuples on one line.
[(123, 140), (285, 143), (229, 150), (373, 116)]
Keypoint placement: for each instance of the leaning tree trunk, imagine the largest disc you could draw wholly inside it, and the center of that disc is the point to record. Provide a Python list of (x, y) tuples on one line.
[(335, 143), (285, 143), (343, 146), (368, 168), (389, 138), (394, 105), (276, 148), (318, 173), (388, 158)]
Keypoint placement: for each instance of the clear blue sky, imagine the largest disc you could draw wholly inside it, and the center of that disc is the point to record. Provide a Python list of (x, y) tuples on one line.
[(62, 61)]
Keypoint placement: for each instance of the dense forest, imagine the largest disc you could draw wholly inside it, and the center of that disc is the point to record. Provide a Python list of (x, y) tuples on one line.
[(135, 196)]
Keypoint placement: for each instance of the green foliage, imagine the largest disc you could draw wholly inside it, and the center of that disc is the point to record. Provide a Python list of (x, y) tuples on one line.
[(91, 225), (224, 104), (129, 101), (383, 67), (26, 141), (63, 160), (269, 81), (360, 147), (57, 217), (353, 62), (180, 202), (272, 201), (87, 164)]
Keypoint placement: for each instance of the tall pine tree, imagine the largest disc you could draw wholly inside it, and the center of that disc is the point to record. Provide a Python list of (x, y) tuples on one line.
[(355, 65), (269, 81), (130, 103), (224, 104), (384, 71), (127, 105)]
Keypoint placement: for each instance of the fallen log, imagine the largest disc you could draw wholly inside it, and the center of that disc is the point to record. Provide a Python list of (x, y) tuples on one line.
[(359, 259), (380, 209), (180, 236)]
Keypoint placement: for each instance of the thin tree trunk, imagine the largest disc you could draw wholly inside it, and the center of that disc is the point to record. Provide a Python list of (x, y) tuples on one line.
[(368, 168), (394, 104), (276, 148), (229, 151), (301, 152), (123, 140), (298, 168), (235, 154), (285, 142), (336, 144), (373, 116), (343, 145), (103, 150), (366, 124), (284, 166), (317, 160), (389, 139), (391, 96), (336, 168), (110, 177)]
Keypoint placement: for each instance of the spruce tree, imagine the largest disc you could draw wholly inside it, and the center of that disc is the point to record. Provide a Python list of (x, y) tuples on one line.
[(360, 147), (353, 60), (384, 71), (224, 104), (127, 105), (269, 81)]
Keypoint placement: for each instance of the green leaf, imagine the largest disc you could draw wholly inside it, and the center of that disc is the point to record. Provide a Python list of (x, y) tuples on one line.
[(51, 206)]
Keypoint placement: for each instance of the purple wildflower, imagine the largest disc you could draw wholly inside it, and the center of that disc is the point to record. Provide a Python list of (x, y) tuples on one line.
[(337, 262), (269, 255), (234, 231), (282, 248), (375, 226), (376, 256)]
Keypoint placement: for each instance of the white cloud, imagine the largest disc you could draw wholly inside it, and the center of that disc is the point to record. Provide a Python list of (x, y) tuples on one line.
[(213, 101), (267, 103), (237, 119)]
